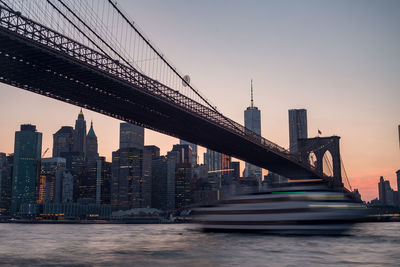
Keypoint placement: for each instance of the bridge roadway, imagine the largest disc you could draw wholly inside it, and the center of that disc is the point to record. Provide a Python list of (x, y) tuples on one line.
[(38, 59)]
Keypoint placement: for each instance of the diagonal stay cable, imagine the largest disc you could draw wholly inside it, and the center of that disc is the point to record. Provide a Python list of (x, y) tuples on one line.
[(93, 42), (169, 65), (345, 173)]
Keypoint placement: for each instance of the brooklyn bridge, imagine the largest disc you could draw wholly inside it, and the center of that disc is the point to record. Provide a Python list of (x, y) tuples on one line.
[(94, 56)]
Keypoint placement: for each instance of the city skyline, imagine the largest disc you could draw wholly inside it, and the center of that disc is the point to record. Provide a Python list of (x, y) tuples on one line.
[(368, 135)]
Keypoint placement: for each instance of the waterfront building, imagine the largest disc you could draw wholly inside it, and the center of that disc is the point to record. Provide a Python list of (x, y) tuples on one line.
[(80, 135), (398, 186), (63, 141), (131, 136), (194, 151), (252, 122), (163, 183), (297, 128), (6, 163), (127, 176), (77, 211), (103, 181), (387, 196), (27, 153), (382, 191), (51, 180), (182, 155), (70, 211)]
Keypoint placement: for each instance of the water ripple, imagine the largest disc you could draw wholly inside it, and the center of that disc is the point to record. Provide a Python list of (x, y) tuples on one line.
[(372, 244)]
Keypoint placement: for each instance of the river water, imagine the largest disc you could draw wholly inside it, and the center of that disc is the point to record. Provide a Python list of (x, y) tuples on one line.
[(368, 244)]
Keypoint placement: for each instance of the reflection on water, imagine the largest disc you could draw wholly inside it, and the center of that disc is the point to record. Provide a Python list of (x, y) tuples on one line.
[(368, 244)]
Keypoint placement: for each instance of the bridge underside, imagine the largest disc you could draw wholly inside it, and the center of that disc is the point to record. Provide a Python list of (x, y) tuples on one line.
[(35, 67)]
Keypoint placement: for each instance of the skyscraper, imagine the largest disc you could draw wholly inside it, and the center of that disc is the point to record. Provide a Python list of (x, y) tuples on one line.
[(226, 165), (252, 121), (131, 169), (5, 183), (88, 182), (163, 183), (398, 185), (127, 173), (218, 166), (154, 151), (63, 141), (91, 148), (67, 187), (399, 134), (131, 136), (75, 163), (149, 153), (182, 155), (103, 181), (386, 193), (194, 151), (27, 153), (80, 134), (297, 128), (213, 160), (51, 180), (70, 143)]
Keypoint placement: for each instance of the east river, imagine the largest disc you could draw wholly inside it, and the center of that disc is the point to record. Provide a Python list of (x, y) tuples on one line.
[(368, 244)]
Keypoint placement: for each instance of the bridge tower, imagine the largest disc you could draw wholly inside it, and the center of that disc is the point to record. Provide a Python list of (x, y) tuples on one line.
[(320, 146)]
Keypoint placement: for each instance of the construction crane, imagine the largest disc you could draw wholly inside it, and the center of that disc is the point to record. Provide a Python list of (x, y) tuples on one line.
[(223, 170), (44, 153)]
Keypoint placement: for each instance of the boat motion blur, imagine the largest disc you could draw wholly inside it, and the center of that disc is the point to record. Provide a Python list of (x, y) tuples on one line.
[(291, 208)]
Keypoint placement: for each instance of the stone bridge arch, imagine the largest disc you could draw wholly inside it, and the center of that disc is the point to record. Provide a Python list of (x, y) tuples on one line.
[(319, 146)]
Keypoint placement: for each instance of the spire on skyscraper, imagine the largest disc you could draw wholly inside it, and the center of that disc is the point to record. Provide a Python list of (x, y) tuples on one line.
[(252, 102), (91, 130), (80, 116), (252, 121), (80, 134)]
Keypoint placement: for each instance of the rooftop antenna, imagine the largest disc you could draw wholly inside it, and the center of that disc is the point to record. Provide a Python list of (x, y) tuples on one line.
[(252, 93)]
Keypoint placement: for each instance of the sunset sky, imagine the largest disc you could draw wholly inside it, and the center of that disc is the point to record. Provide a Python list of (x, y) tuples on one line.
[(340, 60)]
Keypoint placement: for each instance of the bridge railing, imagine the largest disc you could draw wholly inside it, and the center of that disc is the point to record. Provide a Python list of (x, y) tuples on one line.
[(27, 28)]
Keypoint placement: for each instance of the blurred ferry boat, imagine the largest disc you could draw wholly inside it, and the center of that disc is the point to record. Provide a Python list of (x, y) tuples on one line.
[(293, 208)]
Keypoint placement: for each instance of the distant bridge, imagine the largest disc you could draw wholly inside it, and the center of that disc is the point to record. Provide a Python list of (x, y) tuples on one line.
[(96, 76)]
